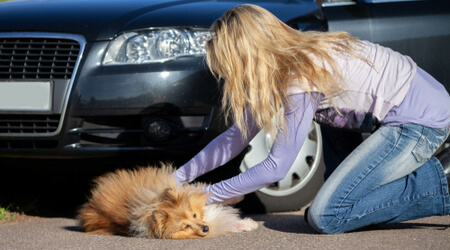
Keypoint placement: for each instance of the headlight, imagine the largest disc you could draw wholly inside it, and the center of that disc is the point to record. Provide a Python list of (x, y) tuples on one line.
[(156, 45)]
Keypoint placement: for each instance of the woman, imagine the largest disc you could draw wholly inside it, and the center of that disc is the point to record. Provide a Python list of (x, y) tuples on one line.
[(280, 79)]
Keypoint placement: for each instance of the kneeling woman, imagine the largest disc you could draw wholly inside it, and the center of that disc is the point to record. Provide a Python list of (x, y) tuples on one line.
[(280, 79)]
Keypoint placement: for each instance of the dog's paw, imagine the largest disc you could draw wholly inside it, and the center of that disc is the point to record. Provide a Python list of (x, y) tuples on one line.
[(246, 225)]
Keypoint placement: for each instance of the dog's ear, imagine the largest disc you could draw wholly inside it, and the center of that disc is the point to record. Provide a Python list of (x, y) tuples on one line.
[(198, 199), (159, 216), (169, 195)]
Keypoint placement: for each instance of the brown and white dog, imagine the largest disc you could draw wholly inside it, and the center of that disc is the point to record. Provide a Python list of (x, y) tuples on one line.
[(147, 202)]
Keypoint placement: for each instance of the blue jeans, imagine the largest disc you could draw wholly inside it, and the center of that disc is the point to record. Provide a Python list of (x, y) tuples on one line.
[(390, 177)]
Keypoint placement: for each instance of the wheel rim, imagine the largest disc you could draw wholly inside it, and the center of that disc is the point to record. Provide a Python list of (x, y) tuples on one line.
[(301, 171)]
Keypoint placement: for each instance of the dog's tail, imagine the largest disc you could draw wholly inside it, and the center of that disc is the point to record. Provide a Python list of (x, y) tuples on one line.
[(93, 222)]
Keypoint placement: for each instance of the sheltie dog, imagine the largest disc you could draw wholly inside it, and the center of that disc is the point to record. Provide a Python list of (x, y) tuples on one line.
[(147, 202)]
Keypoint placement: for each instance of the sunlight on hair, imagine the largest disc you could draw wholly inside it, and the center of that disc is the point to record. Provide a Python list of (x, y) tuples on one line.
[(259, 58)]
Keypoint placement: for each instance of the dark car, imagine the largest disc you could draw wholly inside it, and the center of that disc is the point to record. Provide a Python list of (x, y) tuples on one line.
[(93, 78)]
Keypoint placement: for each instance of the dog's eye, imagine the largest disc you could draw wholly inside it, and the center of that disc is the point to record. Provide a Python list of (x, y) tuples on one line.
[(187, 226), (195, 215)]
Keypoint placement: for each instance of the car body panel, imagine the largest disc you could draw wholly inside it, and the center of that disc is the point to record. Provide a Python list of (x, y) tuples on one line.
[(203, 14), (83, 16)]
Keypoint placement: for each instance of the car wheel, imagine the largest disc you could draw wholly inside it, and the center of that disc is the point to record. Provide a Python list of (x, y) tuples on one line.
[(302, 182)]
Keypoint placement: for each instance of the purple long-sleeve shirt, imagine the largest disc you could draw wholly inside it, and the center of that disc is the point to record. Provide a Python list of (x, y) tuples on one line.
[(393, 93), (229, 144)]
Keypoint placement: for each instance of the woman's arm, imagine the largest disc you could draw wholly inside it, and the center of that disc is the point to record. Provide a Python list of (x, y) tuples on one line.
[(281, 157), (218, 152)]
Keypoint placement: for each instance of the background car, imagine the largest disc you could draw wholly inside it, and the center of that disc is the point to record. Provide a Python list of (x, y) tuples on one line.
[(419, 29), (126, 82)]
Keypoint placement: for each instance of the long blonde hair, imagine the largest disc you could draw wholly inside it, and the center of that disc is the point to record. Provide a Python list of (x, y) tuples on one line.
[(258, 56)]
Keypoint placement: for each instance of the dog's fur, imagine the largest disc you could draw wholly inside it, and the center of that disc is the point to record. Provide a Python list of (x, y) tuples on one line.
[(147, 202)]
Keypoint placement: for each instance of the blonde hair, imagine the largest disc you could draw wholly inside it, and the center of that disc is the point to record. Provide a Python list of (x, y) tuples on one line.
[(259, 56)]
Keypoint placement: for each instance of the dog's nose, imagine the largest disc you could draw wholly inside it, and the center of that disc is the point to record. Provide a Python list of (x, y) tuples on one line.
[(205, 229)]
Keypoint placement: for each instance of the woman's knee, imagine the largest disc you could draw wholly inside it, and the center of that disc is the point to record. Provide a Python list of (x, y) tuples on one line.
[(323, 222)]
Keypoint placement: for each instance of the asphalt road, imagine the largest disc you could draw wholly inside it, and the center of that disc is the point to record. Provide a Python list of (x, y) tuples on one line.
[(276, 231), (53, 193)]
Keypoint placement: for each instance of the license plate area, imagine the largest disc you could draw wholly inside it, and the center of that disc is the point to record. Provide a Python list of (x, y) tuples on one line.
[(32, 96)]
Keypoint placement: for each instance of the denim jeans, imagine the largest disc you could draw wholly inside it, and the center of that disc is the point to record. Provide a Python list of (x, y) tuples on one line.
[(390, 177)]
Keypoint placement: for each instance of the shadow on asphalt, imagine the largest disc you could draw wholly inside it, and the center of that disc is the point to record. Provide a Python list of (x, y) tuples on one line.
[(58, 187), (285, 223), (405, 225), (53, 188), (73, 229)]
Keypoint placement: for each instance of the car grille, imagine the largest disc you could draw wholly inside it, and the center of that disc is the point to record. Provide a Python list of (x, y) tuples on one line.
[(42, 57), (28, 124), (37, 58)]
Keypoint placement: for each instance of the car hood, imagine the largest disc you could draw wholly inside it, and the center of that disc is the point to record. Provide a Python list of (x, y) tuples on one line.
[(103, 19)]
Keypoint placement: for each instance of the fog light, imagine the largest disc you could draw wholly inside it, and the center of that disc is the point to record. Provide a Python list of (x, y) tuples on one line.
[(158, 130)]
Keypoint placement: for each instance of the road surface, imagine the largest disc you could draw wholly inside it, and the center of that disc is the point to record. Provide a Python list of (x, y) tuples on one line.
[(276, 231)]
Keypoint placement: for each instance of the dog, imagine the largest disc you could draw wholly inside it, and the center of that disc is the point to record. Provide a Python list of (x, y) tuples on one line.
[(147, 202)]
